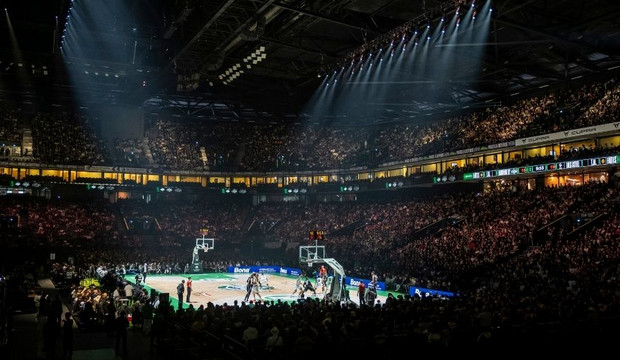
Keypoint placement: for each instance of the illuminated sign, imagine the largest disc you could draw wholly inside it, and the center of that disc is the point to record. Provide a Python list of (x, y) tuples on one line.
[(564, 165)]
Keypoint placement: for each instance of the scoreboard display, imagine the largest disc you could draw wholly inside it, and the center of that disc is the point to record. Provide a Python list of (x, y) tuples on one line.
[(316, 235), (541, 168)]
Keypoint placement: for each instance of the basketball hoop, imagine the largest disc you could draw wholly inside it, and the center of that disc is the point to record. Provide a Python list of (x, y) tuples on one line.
[(205, 249)]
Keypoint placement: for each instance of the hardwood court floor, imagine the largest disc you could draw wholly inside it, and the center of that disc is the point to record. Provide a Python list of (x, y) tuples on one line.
[(221, 288)]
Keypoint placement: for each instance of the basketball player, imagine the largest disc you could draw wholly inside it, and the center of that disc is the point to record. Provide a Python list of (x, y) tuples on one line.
[(374, 278), (264, 281), (256, 287), (188, 285), (298, 285), (248, 287), (323, 273), (320, 284), (308, 286)]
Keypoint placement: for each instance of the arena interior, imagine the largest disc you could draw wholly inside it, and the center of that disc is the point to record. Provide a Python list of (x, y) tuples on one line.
[(260, 179)]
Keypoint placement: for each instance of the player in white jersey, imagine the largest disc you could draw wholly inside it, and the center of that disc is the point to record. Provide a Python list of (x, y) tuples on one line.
[(264, 281), (299, 285), (320, 284), (256, 284)]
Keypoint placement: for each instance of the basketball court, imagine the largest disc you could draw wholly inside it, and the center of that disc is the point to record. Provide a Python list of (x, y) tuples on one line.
[(226, 288)]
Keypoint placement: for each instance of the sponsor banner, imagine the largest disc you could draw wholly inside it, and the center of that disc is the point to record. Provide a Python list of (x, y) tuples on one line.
[(568, 134), (444, 154), (467, 151), (414, 290), (501, 145), (356, 281), (290, 271), (263, 269)]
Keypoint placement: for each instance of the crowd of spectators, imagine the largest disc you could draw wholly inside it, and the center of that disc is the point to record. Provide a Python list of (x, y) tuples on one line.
[(10, 132), (177, 144), (552, 294), (66, 138), (491, 227), (48, 223), (511, 288), (129, 152)]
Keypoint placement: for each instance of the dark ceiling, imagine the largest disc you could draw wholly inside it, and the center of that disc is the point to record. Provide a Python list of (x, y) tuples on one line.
[(172, 53)]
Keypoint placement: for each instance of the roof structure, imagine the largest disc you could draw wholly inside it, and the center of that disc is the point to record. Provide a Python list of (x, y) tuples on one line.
[(180, 56)]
